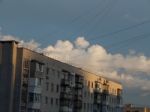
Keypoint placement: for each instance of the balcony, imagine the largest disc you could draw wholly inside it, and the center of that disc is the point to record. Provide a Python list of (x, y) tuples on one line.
[(78, 104), (78, 85), (65, 96), (97, 90), (34, 105), (78, 97), (25, 80), (105, 102), (34, 85), (66, 109), (105, 92), (39, 74), (119, 100), (65, 82), (26, 72), (119, 106), (35, 90), (79, 79), (35, 82), (97, 99)]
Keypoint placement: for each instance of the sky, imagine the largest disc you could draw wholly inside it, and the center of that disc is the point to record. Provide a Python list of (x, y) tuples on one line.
[(113, 34)]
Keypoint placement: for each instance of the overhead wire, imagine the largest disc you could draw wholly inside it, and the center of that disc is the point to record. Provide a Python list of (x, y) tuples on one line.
[(75, 19), (102, 17), (121, 30), (128, 41), (108, 8), (98, 15), (87, 12)]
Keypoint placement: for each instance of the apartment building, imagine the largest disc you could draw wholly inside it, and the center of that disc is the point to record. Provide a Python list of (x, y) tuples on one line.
[(133, 108), (32, 82)]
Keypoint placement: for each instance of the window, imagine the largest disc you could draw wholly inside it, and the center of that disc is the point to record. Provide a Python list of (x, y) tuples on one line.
[(26, 63), (46, 100), (91, 107), (57, 88), (85, 94), (58, 74), (92, 84), (37, 97), (84, 106), (39, 67), (31, 97), (47, 71), (47, 86), (33, 110), (47, 77), (39, 81), (92, 95), (53, 72), (51, 101), (34, 97), (88, 83), (57, 103), (88, 106), (89, 93), (52, 87)]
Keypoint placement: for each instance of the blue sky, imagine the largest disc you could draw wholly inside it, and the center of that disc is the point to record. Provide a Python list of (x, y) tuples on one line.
[(47, 21)]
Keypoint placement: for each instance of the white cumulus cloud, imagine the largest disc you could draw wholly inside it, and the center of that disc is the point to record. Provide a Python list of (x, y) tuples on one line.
[(95, 58)]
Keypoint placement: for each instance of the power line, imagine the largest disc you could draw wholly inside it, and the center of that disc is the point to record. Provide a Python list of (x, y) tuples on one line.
[(96, 16), (100, 15), (78, 17), (122, 30), (129, 40), (87, 12)]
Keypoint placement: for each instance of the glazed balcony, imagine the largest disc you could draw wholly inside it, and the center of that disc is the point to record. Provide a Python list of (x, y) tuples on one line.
[(97, 98), (65, 82), (78, 104), (65, 109), (78, 97), (97, 90), (78, 85), (105, 92), (35, 105), (78, 79), (64, 95)]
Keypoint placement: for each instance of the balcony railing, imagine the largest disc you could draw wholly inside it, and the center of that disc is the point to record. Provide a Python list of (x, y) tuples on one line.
[(65, 109), (65, 82), (97, 90), (105, 102), (105, 92), (39, 74), (65, 96), (78, 104), (78, 97), (34, 82), (97, 99), (35, 105), (78, 85)]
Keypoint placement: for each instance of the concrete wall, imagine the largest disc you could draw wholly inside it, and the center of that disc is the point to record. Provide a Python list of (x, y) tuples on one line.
[(11, 77), (54, 79), (7, 75)]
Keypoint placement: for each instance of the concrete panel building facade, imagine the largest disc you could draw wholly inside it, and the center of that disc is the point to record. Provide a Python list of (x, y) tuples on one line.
[(32, 82)]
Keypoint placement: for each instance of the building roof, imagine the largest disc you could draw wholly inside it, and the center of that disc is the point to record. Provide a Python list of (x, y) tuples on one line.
[(82, 69), (9, 41)]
